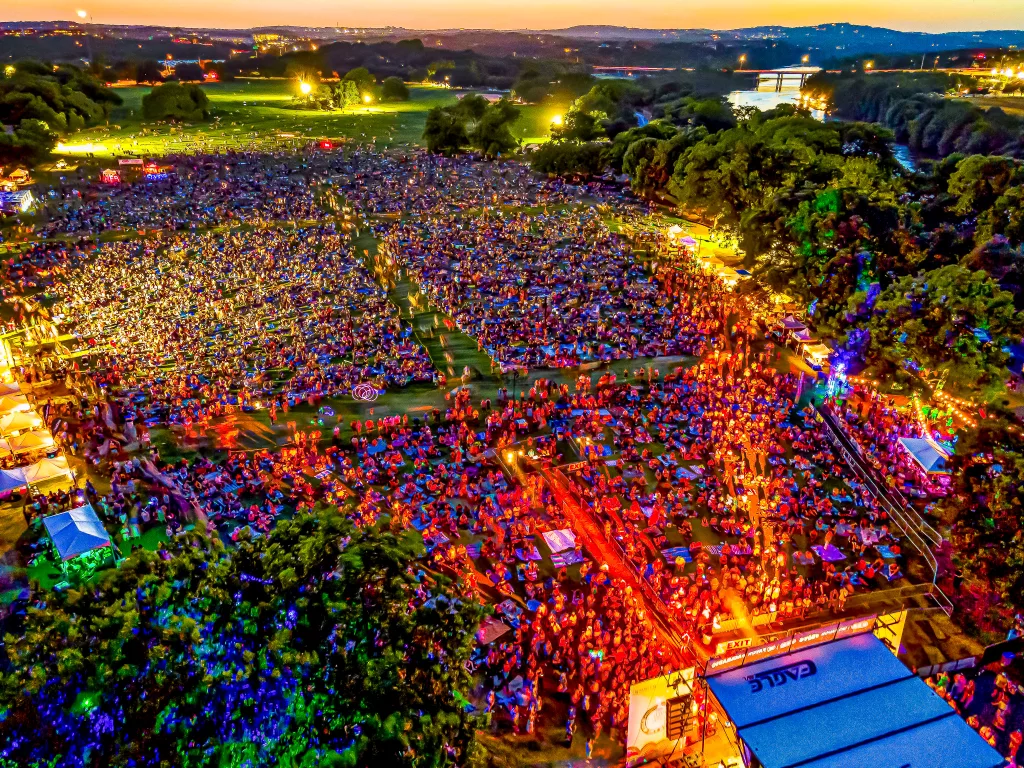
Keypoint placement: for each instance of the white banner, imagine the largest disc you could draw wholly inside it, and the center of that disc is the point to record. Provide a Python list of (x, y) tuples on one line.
[(647, 735)]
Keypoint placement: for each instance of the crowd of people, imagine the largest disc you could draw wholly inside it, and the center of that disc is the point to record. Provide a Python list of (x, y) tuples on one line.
[(193, 324), (516, 284), (713, 492)]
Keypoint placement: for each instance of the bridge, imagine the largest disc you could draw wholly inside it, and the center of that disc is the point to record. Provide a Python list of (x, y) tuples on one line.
[(778, 77)]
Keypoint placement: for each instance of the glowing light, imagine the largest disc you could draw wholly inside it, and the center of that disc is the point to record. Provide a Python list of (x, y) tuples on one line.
[(806, 58), (367, 98), (306, 88), (76, 148), (557, 120), (81, 14), (1008, 72), (9, 70)]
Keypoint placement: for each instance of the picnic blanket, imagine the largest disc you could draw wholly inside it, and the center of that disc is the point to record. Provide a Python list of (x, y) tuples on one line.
[(716, 550), (673, 552), (572, 557), (560, 540), (884, 552), (528, 553), (828, 553)]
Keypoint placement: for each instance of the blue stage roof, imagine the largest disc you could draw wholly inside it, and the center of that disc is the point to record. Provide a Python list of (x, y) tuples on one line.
[(846, 704)]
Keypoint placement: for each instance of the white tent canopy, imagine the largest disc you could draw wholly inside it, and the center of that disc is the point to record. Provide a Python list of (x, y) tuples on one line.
[(39, 439), (19, 421), (47, 469), (10, 403), (11, 479), (76, 532)]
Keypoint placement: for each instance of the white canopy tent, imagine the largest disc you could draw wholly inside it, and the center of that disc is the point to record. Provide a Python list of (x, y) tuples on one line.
[(19, 421), (47, 469), (37, 440), (14, 402)]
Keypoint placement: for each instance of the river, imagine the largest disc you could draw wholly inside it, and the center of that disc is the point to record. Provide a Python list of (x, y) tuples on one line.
[(769, 98)]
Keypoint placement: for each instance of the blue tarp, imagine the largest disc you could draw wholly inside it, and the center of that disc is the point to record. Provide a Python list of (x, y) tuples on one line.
[(76, 532), (850, 704)]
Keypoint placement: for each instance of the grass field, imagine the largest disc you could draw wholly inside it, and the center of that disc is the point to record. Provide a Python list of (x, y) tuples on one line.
[(1012, 105), (248, 113)]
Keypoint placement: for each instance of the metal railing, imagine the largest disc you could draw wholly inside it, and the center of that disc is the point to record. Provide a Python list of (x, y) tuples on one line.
[(921, 535)]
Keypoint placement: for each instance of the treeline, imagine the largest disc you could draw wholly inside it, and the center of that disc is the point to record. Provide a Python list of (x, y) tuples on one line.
[(915, 107), (409, 60), (906, 271), (41, 102)]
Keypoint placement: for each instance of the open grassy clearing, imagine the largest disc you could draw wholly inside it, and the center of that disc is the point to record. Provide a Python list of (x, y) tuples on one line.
[(256, 114)]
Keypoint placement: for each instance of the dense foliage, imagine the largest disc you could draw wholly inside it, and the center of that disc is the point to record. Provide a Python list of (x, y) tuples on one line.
[(41, 102), (319, 644), (569, 159), (914, 108), (176, 101), (473, 122), (393, 89)]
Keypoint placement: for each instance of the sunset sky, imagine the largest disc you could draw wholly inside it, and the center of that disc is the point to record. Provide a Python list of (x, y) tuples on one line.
[(923, 15)]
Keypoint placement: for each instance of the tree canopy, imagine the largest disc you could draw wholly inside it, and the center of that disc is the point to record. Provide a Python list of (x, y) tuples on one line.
[(394, 89), (41, 102), (176, 101), (472, 122), (319, 644)]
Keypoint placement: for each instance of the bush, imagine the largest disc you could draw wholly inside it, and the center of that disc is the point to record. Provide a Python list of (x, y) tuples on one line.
[(175, 101), (393, 89)]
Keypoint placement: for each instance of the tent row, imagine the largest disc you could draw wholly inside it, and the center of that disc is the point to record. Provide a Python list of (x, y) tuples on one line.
[(33, 474)]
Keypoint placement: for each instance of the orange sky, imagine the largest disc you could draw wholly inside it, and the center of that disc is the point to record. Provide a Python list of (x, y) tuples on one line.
[(923, 15)]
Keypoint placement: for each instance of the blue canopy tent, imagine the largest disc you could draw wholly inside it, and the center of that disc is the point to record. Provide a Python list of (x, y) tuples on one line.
[(845, 704), (927, 453), (10, 479), (76, 532)]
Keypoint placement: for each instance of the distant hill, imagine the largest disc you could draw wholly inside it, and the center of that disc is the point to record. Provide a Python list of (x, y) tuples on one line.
[(839, 39)]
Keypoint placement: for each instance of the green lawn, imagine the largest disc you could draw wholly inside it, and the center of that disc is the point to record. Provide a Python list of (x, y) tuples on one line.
[(257, 112)]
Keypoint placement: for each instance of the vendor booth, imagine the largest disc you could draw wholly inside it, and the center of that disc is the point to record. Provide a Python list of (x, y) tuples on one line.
[(81, 541), (47, 469), (848, 703)]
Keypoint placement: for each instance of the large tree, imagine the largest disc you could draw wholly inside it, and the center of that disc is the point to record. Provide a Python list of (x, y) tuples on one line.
[(320, 644), (175, 101), (952, 319)]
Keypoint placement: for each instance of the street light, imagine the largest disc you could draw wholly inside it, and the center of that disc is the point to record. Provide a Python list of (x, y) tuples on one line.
[(743, 58), (806, 58), (556, 120), (306, 88), (367, 98)]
